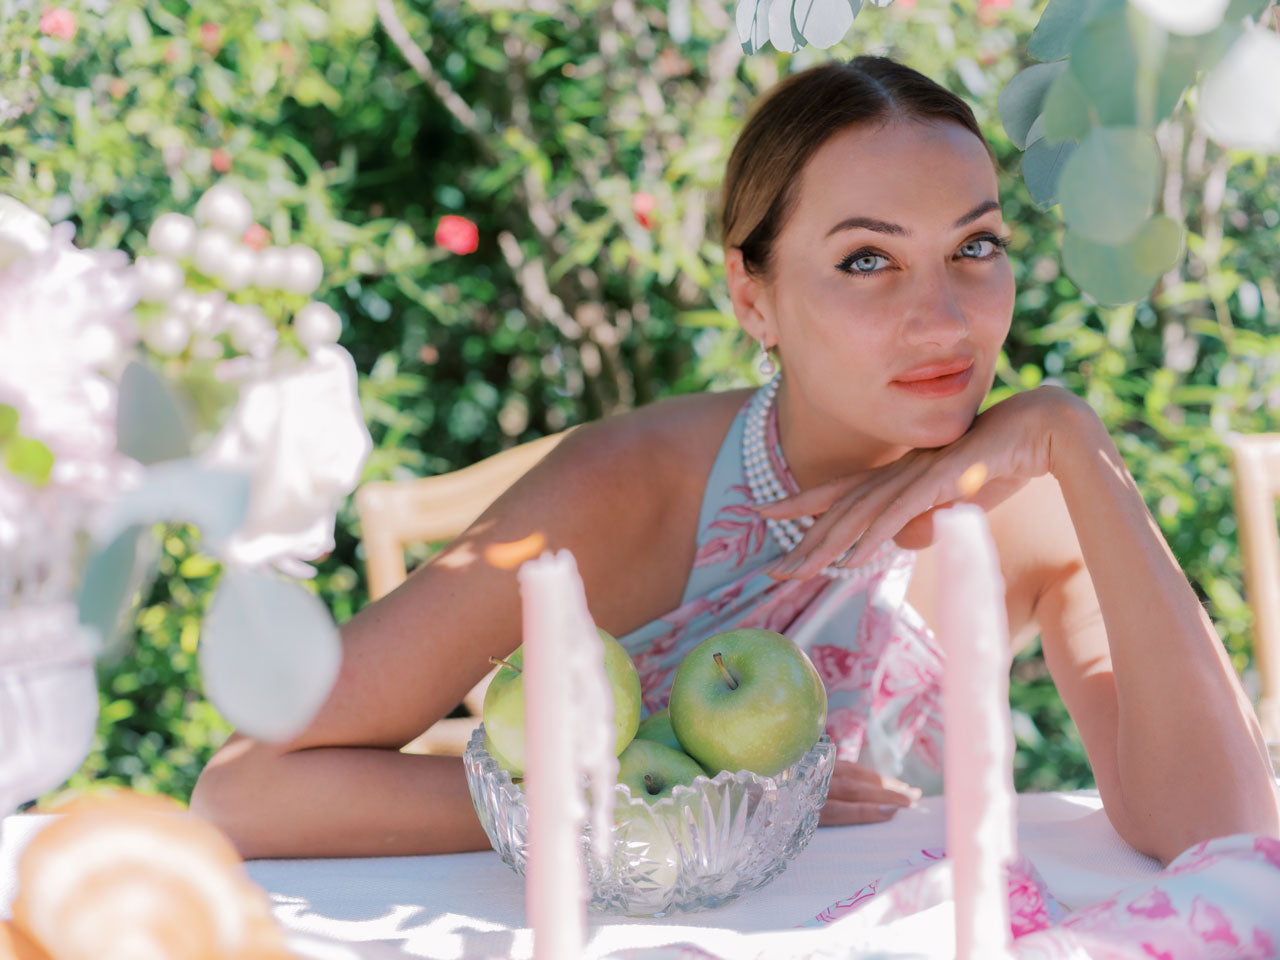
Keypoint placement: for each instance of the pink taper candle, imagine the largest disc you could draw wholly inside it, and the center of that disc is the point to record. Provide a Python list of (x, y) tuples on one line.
[(568, 732), (973, 629)]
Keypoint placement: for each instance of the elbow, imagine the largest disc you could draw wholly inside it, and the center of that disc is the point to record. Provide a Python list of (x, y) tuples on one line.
[(229, 794)]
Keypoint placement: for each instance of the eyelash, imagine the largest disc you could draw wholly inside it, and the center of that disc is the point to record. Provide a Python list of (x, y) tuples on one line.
[(846, 265)]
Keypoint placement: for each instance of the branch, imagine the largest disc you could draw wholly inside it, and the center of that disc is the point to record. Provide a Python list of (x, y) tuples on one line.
[(417, 59)]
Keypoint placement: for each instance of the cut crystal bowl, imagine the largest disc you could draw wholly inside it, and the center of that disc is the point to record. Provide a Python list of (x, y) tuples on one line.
[(706, 844)]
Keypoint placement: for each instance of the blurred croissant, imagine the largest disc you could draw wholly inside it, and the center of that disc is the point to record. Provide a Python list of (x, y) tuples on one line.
[(128, 877)]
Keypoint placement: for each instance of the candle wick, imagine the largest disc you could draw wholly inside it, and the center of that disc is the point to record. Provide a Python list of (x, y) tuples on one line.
[(499, 662), (728, 678)]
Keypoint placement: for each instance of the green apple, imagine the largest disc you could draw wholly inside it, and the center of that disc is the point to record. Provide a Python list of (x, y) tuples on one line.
[(652, 769), (496, 754), (747, 700), (503, 710), (657, 727)]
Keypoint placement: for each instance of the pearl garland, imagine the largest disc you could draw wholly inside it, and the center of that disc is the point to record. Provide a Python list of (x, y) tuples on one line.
[(765, 486)]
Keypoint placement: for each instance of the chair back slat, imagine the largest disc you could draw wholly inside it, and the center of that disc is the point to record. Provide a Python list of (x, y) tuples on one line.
[(1256, 464)]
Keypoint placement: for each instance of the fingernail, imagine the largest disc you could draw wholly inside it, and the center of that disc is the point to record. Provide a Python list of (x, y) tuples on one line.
[(888, 809)]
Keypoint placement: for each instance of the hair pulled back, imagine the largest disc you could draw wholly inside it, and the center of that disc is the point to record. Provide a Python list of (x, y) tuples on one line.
[(795, 118)]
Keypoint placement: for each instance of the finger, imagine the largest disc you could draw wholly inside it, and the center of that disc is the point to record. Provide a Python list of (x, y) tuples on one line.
[(921, 498), (838, 813), (847, 771), (866, 793), (811, 502), (844, 525)]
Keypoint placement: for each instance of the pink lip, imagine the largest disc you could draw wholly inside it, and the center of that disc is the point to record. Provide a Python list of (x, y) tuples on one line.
[(937, 379)]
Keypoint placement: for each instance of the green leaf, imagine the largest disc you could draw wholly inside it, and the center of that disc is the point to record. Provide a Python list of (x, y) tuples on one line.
[(1021, 100), (752, 20), (269, 654), (824, 22), (150, 426), (29, 460), (8, 422), (1042, 167), (1066, 110), (113, 575), (1051, 39), (1105, 62), (1109, 185), (1115, 275)]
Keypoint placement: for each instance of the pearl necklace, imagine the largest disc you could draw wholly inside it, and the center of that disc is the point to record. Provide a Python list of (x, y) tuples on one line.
[(766, 487)]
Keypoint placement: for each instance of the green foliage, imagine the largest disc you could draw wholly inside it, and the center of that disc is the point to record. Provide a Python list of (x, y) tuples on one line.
[(542, 126)]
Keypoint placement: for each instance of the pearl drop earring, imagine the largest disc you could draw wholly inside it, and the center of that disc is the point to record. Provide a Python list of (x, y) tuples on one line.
[(765, 365)]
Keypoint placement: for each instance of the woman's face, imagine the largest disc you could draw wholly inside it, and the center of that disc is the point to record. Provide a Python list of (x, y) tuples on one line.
[(890, 294)]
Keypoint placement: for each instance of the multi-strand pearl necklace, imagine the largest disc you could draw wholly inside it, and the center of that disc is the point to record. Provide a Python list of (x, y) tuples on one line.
[(765, 486)]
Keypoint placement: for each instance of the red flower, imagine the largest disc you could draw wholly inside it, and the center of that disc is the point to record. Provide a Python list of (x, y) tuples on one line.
[(457, 234), (211, 38), (220, 160), (58, 22), (643, 204), (256, 237)]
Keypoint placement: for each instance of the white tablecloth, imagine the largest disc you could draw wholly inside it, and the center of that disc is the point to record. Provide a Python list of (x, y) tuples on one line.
[(472, 905)]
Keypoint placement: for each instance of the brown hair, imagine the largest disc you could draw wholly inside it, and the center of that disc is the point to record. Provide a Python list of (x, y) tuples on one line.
[(797, 117)]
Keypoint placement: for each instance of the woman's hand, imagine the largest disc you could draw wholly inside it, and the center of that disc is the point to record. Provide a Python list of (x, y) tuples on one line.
[(1005, 447), (859, 794)]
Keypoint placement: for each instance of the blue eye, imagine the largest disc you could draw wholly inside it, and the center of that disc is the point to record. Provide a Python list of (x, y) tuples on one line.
[(983, 248), (862, 263)]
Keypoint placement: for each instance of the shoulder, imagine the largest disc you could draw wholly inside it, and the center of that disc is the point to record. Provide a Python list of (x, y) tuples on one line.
[(661, 443)]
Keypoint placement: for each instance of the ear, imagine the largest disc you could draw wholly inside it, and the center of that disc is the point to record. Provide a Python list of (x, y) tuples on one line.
[(751, 301)]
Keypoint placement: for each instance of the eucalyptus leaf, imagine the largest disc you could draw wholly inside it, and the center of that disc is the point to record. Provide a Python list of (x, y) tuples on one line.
[(183, 491), (1022, 99), (1041, 168), (825, 22), (1105, 62), (1109, 185), (113, 575), (782, 27), (150, 426), (1051, 39), (1124, 273), (1066, 110), (752, 19), (269, 654)]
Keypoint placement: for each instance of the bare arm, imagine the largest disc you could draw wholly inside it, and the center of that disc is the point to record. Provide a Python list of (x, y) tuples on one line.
[(1172, 738), (342, 788)]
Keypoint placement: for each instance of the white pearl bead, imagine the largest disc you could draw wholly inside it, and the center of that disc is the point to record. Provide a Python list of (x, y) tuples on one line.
[(304, 269), (172, 235), (168, 336), (212, 249), (225, 207), (317, 324), (159, 279), (272, 269), (239, 267)]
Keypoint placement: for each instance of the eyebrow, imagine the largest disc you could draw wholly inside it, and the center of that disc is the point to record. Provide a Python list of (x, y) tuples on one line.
[(883, 226)]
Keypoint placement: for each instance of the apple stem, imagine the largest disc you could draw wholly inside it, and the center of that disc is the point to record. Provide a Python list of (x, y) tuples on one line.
[(649, 784), (728, 678), (499, 662)]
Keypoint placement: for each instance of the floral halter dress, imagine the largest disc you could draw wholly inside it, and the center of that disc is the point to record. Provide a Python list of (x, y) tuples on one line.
[(878, 659)]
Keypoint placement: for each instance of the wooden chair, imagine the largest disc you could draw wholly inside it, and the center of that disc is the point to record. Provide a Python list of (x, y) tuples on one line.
[(1256, 463), (396, 514)]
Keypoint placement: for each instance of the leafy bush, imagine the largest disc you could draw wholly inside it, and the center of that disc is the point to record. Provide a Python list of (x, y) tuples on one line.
[(587, 148)]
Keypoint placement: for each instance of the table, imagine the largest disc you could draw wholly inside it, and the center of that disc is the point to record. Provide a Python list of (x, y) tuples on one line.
[(472, 905)]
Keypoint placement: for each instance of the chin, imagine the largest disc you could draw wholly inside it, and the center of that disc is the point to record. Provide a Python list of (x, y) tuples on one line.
[(938, 431)]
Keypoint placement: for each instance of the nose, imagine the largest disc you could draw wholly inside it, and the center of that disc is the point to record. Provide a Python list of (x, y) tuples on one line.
[(936, 316)]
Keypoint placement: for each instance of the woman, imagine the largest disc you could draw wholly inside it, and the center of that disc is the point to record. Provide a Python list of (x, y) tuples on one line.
[(864, 246)]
